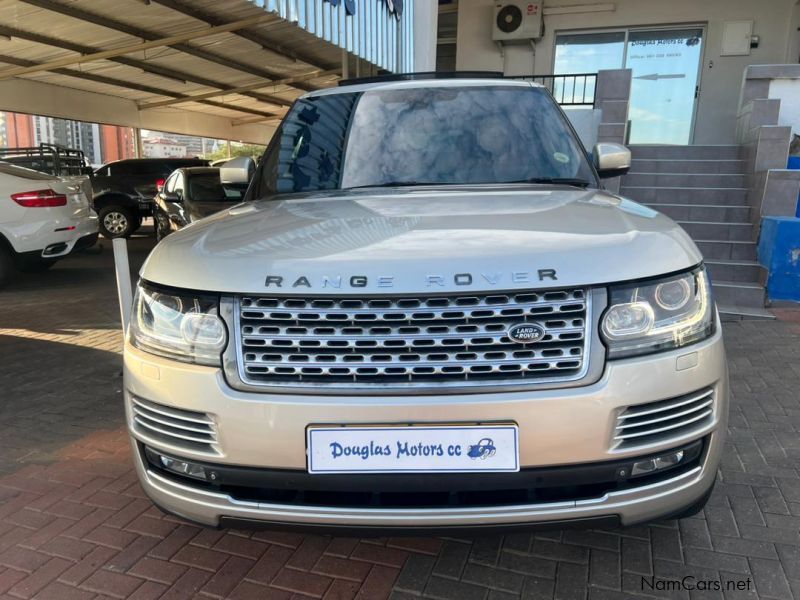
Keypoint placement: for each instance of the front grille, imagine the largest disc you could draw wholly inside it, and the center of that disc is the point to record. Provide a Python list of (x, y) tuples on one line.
[(186, 429), (411, 341), (657, 422)]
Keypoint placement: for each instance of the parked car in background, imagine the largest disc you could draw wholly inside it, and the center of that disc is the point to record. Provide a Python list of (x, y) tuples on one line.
[(193, 193), (124, 191), (53, 159), (42, 219)]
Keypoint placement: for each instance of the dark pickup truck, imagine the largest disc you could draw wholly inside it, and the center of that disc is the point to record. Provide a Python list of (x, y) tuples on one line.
[(124, 191)]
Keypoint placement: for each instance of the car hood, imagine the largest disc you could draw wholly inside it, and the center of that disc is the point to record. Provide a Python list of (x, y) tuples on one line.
[(422, 240), (201, 210)]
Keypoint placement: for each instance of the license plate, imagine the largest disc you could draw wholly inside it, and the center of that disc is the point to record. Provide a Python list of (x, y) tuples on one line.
[(444, 449)]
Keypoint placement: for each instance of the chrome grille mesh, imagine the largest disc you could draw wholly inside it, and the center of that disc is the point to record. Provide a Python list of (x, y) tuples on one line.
[(664, 420), (401, 341)]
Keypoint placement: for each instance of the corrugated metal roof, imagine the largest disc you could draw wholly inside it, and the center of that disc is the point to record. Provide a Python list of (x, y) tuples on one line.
[(42, 31), (378, 31)]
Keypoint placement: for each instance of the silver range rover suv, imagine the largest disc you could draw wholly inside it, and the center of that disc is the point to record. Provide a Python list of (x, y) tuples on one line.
[(427, 315)]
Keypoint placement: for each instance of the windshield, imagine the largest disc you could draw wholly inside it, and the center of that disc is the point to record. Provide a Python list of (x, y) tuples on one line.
[(208, 188), (426, 135)]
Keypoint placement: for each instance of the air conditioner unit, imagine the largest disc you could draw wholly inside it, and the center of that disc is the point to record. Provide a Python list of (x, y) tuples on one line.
[(517, 20)]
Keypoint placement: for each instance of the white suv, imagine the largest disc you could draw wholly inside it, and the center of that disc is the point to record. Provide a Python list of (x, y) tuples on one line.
[(42, 218)]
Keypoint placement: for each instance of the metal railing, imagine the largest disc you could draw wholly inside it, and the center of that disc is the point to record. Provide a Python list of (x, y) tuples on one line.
[(574, 89)]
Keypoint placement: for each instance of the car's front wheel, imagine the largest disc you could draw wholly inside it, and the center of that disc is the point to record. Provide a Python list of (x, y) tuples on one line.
[(117, 221), (162, 227)]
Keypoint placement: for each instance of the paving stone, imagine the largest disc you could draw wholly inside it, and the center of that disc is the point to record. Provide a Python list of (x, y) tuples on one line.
[(770, 578), (451, 560), (604, 568), (415, 573), (448, 589), (499, 579)]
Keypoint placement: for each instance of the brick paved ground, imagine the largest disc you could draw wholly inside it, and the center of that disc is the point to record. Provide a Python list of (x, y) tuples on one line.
[(74, 524)]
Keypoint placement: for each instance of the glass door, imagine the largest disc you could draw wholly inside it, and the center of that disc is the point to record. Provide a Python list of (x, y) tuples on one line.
[(587, 53), (666, 78), (666, 75)]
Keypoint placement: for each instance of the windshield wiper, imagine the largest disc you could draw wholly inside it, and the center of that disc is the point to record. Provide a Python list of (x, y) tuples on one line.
[(393, 184), (574, 181)]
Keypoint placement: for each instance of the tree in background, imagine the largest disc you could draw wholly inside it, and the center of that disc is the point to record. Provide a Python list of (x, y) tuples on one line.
[(254, 151)]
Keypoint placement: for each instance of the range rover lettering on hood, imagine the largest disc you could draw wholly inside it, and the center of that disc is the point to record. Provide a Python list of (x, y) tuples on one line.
[(388, 281)]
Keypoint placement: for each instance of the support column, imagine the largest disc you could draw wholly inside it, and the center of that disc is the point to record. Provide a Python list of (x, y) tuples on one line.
[(345, 65), (612, 97), (426, 23), (137, 142)]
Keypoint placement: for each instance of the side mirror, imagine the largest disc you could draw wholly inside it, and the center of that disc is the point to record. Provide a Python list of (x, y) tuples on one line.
[(238, 170), (611, 160), (171, 197)]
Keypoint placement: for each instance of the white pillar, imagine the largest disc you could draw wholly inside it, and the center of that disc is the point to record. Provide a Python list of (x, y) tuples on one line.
[(426, 21)]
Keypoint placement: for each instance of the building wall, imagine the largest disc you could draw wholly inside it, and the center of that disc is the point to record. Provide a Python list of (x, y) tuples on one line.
[(17, 130), (721, 76), (117, 143)]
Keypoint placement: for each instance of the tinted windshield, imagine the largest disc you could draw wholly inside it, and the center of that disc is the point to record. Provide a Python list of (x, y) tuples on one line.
[(208, 188), (442, 135)]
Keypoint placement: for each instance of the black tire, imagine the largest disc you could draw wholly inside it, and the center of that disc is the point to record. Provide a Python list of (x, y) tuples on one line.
[(117, 221), (35, 264), (162, 228), (6, 266)]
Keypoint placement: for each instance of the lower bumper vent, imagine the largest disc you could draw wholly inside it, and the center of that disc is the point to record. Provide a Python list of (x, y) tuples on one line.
[(665, 420), (195, 431)]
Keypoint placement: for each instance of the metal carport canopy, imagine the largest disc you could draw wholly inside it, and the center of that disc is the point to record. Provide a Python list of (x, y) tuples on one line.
[(225, 70)]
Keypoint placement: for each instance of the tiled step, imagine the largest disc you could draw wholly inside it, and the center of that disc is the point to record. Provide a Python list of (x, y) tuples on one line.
[(704, 212), (747, 271), (686, 152), (733, 232), (718, 250), (691, 180), (739, 294), (678, 165), (732, 312), (684, 195)]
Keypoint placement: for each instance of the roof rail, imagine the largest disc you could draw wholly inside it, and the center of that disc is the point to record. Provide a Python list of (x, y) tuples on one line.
[(423, 75)]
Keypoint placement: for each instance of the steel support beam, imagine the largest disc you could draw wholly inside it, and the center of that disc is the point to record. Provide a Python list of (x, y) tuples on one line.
[(147, 67), (105, 54), (236, 90), (21, 62), (103, 21)]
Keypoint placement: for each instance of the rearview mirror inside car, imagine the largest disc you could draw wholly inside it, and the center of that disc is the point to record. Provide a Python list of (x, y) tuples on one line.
[(238, 170)]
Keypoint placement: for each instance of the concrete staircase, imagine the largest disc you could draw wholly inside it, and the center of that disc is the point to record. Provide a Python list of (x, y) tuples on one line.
[(703, 188)]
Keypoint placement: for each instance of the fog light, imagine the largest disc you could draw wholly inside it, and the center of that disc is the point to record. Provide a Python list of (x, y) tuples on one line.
[(645, 467), (182, 467)]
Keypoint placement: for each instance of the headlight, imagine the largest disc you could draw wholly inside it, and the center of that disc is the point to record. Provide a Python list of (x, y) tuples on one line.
[(658, 315), (177, 325)]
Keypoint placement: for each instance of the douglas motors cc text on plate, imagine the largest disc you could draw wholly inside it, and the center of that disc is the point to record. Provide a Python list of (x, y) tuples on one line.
[(426, 315)]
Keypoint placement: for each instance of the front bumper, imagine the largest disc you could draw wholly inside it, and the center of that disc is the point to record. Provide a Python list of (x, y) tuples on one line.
[(559, 427)]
